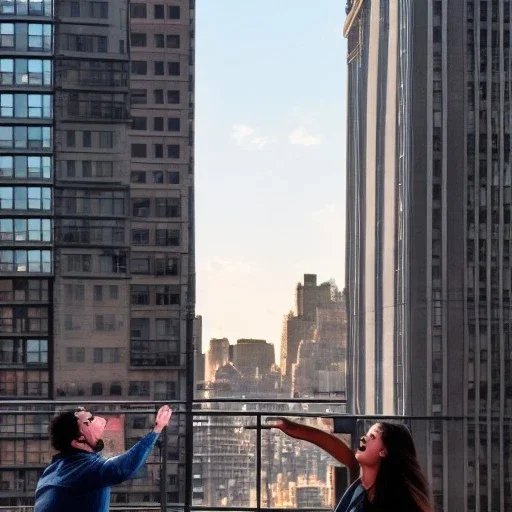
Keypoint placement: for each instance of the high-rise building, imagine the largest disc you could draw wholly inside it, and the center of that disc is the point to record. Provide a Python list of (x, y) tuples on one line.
[(300, 325), (428, 234), (254, 358), (96, 212), (217, 356)]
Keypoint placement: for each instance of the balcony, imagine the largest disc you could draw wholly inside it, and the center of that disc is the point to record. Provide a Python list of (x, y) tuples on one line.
[(221, 455)]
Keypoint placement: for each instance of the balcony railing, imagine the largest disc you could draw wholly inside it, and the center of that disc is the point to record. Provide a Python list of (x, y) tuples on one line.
[(221, 455)]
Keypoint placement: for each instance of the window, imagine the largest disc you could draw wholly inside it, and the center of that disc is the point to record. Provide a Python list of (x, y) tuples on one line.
[(139, 96), (172, 41), (167, 328), (113, 292), (166, 266), (37, 351), (74, 9), (139, 123), (173, 12), (138, 10), (158, 150), (138, 39), (158, 67), (140, 207), (138, 388), (173, 151), (139, 67), (173, 124), (173, 68), (98, 10), (167, 207), (140, 295), (167, 295), (165, 390), (158, 177), (116, 389), (158, 124), (138, 177), (139, 150), (168, 237), (158, 12), (173, 97), (75, 355), (96, 389), (39, 36), (97, 293), (6, 35), (86, 169), (140, 236), (102, 42), (158, 96), (106, 140), (173, 177), (106, 355), (140, 265), (70, 138), (79, 263), (159, 40), (86, 139)]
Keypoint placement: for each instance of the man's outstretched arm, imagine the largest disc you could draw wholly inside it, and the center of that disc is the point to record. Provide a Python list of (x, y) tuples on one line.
[(330, 443), (118, 469)]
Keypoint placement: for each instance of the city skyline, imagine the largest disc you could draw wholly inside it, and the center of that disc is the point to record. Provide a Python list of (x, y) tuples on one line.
[(262, 126)]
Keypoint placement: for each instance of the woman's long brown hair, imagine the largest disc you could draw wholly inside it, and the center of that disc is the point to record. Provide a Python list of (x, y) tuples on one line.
[(401, 484)]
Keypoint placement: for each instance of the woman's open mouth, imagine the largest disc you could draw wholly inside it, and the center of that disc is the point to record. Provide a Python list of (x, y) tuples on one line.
[(362, 444)]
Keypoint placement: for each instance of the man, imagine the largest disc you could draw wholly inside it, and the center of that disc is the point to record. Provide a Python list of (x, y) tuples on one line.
[(79, 479)]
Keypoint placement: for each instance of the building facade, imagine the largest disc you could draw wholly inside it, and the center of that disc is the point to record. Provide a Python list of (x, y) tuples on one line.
[(96, 218), (428, 234), (300, 324)]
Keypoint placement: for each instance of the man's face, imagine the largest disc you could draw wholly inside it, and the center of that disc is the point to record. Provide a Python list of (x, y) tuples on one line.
[(91, 429)]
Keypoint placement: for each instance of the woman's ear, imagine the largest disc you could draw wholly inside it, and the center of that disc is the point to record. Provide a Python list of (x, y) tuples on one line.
[(383, 453)]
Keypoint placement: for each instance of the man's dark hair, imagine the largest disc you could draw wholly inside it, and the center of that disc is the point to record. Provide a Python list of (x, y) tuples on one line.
[(63, 429)]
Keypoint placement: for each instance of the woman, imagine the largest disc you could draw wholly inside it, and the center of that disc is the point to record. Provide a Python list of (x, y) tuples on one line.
[(390, 478)]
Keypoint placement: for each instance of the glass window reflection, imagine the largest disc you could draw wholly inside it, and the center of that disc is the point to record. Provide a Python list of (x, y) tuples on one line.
[(6, 164), (20, 261), (6, 230), (20, 230), (31, 198), (6, 71), (24, 7), (23, 137), (26, 105), (35, 167), (6, 198), (6, 35)]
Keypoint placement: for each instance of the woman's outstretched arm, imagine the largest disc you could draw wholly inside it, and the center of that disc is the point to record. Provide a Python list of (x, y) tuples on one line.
[(330, 443)]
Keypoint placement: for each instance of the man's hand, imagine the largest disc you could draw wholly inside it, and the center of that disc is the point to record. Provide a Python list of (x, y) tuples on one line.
[(162, 418)]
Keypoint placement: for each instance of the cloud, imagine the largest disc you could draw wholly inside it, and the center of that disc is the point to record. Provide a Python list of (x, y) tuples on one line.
[(241, 132), (301, 137), (245, 137)]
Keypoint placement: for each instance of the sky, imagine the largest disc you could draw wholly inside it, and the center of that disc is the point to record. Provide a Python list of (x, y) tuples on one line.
[(269, 159)]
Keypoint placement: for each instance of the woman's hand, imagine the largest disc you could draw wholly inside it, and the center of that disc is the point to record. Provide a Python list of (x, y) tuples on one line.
[(163, 417)]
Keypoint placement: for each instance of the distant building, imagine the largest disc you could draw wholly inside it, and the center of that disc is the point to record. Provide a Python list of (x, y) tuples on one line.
[(254, 358), (199, 357), (217, 356), (300, 325)]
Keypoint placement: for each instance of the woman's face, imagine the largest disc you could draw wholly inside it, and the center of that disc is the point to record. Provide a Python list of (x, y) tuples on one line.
[(371, 449)]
